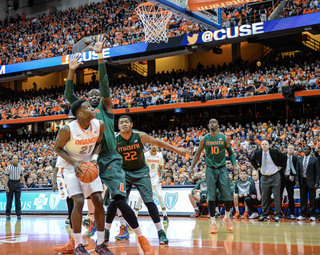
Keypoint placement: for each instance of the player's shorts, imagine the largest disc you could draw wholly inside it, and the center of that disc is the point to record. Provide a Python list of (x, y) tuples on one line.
[(61, 185), (112, 174), (218, 178), (76, 187), (141, 179), (157, 190), (155, 180)]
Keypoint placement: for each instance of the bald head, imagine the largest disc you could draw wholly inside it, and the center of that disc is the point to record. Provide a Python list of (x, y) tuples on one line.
[(265, 145)]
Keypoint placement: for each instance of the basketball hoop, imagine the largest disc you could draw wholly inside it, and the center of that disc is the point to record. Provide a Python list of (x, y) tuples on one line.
[(155, 20)]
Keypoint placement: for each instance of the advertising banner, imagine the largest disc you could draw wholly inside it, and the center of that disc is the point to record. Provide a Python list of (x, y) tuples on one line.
[(190, 39), (46, 201)]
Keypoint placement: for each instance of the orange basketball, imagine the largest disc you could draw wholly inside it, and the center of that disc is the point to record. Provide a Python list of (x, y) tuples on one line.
[(90, 172)]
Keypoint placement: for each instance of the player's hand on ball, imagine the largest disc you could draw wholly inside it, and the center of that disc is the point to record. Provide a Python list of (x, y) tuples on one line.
[(98, 46), (95, 162), (73, 63), (77, 168)]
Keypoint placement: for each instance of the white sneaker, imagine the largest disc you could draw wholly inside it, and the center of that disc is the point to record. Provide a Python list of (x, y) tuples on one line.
[(313, 218), (301, 218), (254, 215)]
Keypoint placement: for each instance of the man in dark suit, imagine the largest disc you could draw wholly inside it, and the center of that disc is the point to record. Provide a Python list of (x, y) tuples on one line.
[(307, 179), (254, 197), (269, 162), (288, 178)]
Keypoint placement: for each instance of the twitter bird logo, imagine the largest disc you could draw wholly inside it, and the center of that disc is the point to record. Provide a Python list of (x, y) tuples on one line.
[(192, 39)]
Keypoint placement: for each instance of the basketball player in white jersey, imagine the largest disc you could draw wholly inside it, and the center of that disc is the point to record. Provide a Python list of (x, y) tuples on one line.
[(77, 142), (154, 160)]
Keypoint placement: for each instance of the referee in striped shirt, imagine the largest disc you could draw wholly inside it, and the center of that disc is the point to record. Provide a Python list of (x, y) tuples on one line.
[(12, 179)]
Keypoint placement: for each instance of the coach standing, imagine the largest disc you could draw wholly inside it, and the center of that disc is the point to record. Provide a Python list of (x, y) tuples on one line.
[(269, 162), (13, 177)]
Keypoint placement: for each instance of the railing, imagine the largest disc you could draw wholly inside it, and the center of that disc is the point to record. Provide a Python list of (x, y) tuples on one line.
[(139, 68), (8, 85), (261, 53), (274, 7), (310, 42), (190, 100)]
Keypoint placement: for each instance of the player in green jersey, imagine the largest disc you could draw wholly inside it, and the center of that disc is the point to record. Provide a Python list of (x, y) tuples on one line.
[(130, 145), (110, 162), (215, 145)]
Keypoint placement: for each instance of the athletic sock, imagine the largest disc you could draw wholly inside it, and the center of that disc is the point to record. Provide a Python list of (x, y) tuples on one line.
[(138, 231), (108, 226), (77, 239), (213, 220), (158, 226), (100, 237), (164, 212)]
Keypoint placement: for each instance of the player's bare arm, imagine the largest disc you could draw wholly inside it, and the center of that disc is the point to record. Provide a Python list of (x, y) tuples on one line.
[(198, 153), (54, 179), (149, 139), (230, 151), (69, 90), (106, 100), (62, 139), (97, 149), (6, 179)]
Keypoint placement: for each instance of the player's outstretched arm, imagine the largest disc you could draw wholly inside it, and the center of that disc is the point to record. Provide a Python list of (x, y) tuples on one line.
[(69, 90), (62, 139), (149, 139), (197, 155), (104, 88)]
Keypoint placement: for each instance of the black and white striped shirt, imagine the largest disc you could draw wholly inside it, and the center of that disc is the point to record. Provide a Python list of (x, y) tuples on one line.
[(14, 172)]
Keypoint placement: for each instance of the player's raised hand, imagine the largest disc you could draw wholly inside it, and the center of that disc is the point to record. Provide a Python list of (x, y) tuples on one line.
[(74, 61), (98, 46)]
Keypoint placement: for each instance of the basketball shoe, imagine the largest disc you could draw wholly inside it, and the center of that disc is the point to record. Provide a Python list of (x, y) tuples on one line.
[(124, 233)]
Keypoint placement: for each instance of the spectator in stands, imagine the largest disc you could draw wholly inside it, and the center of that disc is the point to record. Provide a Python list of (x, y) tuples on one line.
[(198, 195), (183, 180), (168, 181), (52, 35), (241, 192), (254, 197)]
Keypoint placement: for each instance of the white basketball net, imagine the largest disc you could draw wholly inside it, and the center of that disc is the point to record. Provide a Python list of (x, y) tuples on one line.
[(155, 20)]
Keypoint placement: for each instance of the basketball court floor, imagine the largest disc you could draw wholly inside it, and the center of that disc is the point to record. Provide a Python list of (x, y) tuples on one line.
[(40, 234)]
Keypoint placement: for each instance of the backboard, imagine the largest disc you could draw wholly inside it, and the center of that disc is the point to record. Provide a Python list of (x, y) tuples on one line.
[(210, 19)]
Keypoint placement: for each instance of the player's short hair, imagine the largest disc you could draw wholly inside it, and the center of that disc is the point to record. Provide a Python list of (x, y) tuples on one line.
[(125, 117), (76, 106)]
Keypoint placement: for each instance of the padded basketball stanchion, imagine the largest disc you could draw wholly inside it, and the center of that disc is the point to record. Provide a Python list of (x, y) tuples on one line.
[(155, 21)]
